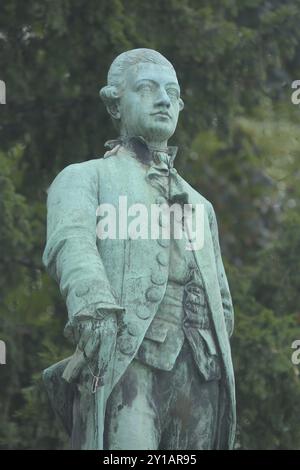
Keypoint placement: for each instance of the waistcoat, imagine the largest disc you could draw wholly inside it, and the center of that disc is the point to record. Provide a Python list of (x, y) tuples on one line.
[(183, 312)]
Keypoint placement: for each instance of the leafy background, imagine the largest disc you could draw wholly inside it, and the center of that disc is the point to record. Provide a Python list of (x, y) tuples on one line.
[(239, 146)]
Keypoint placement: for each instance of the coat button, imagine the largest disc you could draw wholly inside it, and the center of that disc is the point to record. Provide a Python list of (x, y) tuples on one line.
[(161, 200), (164, 242), (81, 291), (164, 220), (127, 345), (133, 329), (143, 314), (162, 258), (159, 278), (154, 294)]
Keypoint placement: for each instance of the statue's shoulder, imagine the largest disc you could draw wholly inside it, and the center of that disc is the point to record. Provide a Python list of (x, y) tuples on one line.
[(198, 196), (92, 171), (77, 170)]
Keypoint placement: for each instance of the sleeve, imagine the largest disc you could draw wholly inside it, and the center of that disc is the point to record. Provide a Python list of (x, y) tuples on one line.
[(223, 283), (71, 255)]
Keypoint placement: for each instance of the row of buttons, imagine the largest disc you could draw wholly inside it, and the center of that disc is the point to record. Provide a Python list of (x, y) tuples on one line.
[(154, 293), (127, 344)]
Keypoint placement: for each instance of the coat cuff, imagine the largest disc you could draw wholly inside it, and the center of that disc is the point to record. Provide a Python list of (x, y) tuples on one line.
[(93, 312), (85, 294)]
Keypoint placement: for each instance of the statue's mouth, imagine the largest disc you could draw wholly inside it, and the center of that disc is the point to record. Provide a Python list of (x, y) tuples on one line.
[(162, 114)]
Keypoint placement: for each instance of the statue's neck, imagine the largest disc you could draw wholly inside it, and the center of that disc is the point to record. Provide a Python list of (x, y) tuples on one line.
[(142, 149), (158, 146), (153, 145)]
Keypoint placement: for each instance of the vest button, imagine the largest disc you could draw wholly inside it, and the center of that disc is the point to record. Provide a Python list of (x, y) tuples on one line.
[(127, 345), (154, 294), (161, 200), (159, 278), (163, 220), (133, 329), (162, 258)]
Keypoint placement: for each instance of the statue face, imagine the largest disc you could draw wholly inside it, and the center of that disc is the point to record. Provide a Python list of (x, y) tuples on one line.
[(150, 103)]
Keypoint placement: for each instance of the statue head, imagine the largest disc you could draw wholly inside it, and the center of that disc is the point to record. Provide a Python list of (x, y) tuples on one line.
[(142, 95)]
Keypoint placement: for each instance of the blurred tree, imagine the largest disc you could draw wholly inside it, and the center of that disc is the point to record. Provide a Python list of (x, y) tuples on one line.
[(266, 298)]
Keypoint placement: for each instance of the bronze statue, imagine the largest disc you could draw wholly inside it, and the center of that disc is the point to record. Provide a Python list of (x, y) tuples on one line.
[(151, 317)]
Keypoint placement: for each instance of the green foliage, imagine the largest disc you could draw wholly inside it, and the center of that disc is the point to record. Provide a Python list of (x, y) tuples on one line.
[(268, 385), (239, 146)]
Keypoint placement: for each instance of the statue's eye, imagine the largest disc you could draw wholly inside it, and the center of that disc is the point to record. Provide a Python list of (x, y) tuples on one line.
[(173, 92), (145, 87)]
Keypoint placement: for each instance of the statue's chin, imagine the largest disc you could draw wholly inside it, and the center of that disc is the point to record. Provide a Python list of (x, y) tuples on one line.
[(159, 133)]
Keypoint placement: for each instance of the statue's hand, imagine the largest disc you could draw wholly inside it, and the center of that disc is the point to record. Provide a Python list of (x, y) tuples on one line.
[(95, 339), (87, 336)]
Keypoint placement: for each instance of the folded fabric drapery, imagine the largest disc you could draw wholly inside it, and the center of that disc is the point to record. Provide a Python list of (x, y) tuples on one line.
[(161, 172)]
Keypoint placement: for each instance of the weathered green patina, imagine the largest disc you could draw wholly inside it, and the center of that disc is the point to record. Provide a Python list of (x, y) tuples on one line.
[(151, 320)]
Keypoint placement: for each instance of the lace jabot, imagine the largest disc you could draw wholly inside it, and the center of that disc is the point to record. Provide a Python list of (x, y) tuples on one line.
[(161, 173)]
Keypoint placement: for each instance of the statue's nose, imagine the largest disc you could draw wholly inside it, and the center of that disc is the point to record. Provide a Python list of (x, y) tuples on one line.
[(163, 98)]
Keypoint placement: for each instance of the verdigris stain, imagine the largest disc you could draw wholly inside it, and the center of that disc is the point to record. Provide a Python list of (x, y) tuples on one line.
[(149, 311)]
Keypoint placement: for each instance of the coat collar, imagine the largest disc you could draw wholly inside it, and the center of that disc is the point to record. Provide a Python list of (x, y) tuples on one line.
[(141, 149)]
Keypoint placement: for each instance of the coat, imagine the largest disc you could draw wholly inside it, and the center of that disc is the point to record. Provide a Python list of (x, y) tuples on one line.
[(129, 275)]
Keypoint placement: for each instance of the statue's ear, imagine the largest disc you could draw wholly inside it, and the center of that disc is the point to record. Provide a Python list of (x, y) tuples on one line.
[(110, 96), (181, 104), (114, 110)]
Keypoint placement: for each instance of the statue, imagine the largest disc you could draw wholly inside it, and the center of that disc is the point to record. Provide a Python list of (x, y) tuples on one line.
[(150, 316)]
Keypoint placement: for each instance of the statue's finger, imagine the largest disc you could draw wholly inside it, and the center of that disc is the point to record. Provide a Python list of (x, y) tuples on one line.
[(93, 344), (85, 332)]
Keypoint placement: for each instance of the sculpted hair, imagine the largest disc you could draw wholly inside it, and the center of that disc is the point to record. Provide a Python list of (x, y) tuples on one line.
[(117, 71)]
